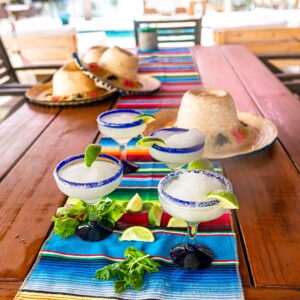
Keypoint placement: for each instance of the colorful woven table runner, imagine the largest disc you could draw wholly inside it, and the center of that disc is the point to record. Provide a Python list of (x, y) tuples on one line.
[(65, 268)]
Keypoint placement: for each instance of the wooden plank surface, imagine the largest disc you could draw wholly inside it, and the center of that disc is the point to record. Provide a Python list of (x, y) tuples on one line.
[(274, 100), (271, 294), (269, 214), (19, 131), (34, 197), (267, 185), (9, 289)]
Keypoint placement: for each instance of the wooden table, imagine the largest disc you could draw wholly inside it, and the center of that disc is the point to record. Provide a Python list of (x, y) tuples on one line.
[(267, 184)]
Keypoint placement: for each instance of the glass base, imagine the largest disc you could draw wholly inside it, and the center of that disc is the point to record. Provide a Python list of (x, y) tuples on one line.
[(93, 231), (129, 167), (192, 257)]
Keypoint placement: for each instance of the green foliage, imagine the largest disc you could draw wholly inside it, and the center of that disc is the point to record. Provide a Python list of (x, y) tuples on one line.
[(129, 272), (65, 226), (67, 219)]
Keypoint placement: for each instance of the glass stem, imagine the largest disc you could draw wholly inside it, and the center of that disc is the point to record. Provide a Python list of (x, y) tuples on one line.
[(123, 152), (192, 232), (92, 212)]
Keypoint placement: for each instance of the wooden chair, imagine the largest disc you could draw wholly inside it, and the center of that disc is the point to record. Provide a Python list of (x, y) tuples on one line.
[(290, 80), (9, 82), (172, 29)]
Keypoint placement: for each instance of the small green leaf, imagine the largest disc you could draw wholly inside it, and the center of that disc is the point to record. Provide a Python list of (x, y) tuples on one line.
[(92, 151), (108, 272), (120, 286), (65, 226), (117, 213)]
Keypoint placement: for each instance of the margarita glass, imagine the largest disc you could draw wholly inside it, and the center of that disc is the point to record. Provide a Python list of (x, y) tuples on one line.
[(182, 194), (175, 157), (120, 125), (88, 184)]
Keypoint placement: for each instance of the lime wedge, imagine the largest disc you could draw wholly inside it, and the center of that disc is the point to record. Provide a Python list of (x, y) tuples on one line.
[(135, 204), (227, 199), (146, 118), (91, 153), (174, 222), (137, 233), (154, 215), (201, 164), (148, 142)]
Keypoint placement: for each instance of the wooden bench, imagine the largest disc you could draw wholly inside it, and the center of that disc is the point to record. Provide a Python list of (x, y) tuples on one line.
[(261, 41)]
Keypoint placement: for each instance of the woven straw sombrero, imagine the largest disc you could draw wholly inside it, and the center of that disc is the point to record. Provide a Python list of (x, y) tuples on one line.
[(69, 87), (118, 68), (93, 54), (228, 132)]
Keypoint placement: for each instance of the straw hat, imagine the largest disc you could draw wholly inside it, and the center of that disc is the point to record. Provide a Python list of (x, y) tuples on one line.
[(118, 68), (228, 132), (92, 55), (69, 86)]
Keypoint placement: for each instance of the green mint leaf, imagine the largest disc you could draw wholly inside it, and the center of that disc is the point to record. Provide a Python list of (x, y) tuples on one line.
[(120, 286), (117, 212), (65, 226), (147, 205), (133, 252), (92, 151), (108, 272), (136, 282), (103, 207)]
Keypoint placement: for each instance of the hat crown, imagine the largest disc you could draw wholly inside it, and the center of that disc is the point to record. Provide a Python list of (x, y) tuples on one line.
[(70, 80), (120, 62), (92, 55), (212, 111)]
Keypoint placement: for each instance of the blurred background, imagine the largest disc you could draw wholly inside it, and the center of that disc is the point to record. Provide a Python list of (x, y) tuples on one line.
[(47, 32)]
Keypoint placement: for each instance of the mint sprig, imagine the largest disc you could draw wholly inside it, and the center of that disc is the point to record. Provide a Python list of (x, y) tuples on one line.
[(129, 272), (67, 219)]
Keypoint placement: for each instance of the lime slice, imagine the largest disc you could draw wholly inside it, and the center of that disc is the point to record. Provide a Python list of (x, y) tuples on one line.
[(148, 142), (91, 153), (137, 233), (201, 164), (227, 199), (174, 222), (146, 118), (135, 204), (154, 215)]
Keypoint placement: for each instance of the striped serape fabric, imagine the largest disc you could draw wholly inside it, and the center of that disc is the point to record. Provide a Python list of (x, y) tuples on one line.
[(176, 71), (65, 268)]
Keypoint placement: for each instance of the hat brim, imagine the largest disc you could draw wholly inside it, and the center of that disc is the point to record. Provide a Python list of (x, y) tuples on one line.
[(144, 84), (263, 134), (37, 95)]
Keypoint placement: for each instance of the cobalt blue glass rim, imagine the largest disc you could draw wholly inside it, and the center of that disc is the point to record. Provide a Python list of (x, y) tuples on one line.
[(218, 176), (88, 185), (176, 150), (116, 125)]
